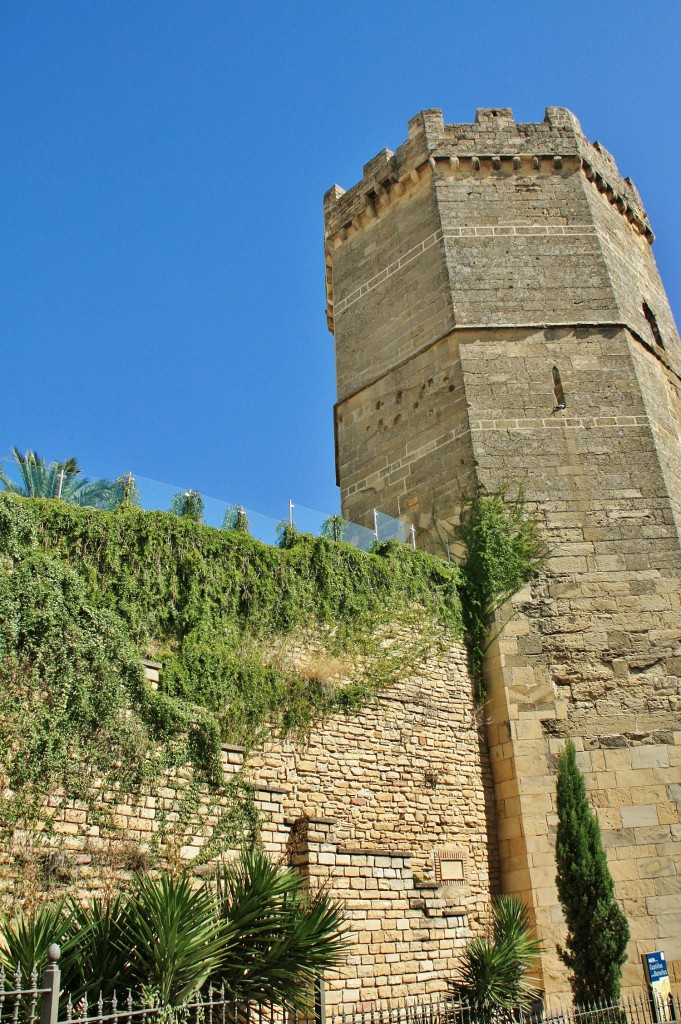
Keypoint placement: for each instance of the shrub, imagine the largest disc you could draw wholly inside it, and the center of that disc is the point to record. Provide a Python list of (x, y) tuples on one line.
[(597, 930)]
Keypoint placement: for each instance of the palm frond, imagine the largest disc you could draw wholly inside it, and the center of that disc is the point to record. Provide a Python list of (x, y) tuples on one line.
[(287, 936), (496, 969), (56, 480), (173, 937)]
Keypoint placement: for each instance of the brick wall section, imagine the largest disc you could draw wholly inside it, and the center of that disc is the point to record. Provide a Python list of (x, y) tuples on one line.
[(361, 807), (595, 652), (399, 432), (409, 772), (632, 770), (490, 224), (83, 856), (411, 299)]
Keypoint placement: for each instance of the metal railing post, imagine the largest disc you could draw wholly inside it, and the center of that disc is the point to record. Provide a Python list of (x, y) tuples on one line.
[(319, 1002), (51, 981)]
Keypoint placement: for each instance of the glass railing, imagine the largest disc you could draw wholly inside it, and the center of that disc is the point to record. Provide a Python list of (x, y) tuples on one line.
[(34, 478)]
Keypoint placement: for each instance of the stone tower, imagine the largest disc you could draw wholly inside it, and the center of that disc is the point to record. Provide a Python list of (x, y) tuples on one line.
[(499, 320)]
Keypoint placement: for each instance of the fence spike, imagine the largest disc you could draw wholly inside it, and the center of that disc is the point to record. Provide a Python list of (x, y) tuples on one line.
[(33, 984), (69, 1008), (114, 1003)]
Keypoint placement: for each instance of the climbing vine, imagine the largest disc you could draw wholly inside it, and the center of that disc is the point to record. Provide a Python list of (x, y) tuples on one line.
[(85, 594), (253, 640), (503, 550)]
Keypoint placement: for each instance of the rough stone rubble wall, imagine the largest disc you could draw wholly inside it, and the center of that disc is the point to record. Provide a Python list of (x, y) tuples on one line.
[(367, 806)]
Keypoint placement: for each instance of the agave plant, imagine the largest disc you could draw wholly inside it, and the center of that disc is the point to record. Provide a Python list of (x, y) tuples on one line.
[(56, 480), (496, 969), (285, 937), (96, 957), (25, 939)]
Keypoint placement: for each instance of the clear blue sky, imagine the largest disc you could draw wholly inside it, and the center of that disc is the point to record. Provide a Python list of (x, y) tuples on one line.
[(163, 166)]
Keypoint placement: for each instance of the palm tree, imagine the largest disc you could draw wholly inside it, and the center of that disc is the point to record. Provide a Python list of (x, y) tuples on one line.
[(495, 973), (56, 480)]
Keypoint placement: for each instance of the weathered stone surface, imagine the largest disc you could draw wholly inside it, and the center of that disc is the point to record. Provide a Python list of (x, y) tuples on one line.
[(362, 806), (499, 321)]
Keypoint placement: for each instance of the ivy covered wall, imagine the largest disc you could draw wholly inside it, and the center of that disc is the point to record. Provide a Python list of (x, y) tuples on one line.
[(86, 594)]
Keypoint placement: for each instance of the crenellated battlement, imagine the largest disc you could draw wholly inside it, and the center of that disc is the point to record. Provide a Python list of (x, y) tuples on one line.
[(494, 143), (482, 178)]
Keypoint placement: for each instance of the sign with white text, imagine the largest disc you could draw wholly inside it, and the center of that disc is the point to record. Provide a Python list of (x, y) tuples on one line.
[(657, 976)]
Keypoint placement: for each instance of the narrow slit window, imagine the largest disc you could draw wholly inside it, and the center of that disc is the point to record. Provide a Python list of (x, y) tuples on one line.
[(558, 388), (652, 323)]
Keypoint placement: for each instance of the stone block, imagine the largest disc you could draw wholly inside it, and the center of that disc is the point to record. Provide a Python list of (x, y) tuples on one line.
[(639, 815)]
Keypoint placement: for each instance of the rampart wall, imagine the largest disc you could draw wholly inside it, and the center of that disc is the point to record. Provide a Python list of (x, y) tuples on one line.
[(391, 807)]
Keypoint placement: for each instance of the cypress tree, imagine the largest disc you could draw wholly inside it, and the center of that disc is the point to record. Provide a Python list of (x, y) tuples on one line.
[(597, 930)]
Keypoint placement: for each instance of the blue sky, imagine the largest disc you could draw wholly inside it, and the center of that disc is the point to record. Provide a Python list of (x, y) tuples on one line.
[(162, 172)]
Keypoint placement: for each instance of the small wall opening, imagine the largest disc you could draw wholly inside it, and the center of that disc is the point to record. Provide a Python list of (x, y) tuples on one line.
[(558, 388), (653, 324)]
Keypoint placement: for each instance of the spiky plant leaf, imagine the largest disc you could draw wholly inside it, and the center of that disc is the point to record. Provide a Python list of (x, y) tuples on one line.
[(173, 937), (496, 969), (25, 938), (97, 958), (287, 936)]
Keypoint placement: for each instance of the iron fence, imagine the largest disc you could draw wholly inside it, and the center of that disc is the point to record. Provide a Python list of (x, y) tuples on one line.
[(633, 1008), (24, 1001), (18, 1001)]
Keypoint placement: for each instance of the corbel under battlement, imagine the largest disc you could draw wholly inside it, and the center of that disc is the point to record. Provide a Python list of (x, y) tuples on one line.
[(492, 146)]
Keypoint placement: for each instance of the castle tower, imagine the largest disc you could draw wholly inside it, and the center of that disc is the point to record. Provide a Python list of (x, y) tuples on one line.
[(499, 320)]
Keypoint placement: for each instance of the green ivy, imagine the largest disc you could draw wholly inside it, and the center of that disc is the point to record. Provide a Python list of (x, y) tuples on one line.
[(85, 594), (504, 549)]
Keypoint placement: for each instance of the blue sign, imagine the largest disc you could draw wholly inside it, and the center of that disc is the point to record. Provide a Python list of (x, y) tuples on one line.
[(656, 966)]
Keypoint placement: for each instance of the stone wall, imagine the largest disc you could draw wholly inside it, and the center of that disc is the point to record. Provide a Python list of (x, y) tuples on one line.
[(632, 768), (491, 225), (408, 773), (404, 933), (391, 807), (556, 373)]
